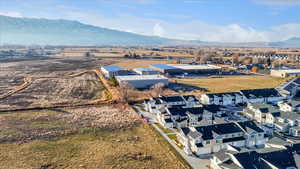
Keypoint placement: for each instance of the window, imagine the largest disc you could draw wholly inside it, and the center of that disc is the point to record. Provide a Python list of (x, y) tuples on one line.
[(219, 141)]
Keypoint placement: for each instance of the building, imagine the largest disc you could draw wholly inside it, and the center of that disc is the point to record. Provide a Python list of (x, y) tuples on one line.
[(282, 121), (209, 139), (157, 104), (290, 89), (112, 71), (146, 71), (184, 117), (262, 95), (287, 158), (230, 98), (143, 81), (285, 72), (174, 69), (289, 106), (166, 69)]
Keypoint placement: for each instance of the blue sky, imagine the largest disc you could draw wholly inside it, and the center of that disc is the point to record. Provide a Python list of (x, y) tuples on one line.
[(207, 20)]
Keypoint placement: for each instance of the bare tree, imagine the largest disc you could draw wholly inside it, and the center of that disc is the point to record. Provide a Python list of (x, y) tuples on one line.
[(158, 89), (125, 91)]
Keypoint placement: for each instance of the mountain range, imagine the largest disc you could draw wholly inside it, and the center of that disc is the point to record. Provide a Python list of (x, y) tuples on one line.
[(33, 31)]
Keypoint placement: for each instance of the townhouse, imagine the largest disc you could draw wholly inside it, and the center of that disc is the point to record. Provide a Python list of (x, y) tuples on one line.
[(287, 158), (290, 89), (289, 106), (230, 98), (262, 95), (271, 116), (209, 139), (157, 104)]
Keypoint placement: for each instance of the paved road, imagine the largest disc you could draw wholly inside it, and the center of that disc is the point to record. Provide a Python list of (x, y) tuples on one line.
[(195, 162)]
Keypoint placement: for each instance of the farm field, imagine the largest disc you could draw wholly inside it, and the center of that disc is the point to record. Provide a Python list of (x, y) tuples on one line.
[(232, 83), (99, 137), (131, 63)]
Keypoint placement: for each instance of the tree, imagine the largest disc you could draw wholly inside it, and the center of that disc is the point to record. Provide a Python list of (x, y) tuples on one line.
[(87, 54), (158, 89), (254, 69), (125, 92), (235, 58)]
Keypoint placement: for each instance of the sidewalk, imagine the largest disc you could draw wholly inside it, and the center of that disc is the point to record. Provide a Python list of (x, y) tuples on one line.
[(195, 162)]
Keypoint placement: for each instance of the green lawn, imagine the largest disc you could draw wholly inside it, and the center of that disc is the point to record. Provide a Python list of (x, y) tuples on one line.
[(165, 130)]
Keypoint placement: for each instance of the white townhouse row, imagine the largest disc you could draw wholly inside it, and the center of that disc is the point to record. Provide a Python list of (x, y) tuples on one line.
[(230, 98), (287, 158), (157, 104), (244, 96), (272, 117), (209, 139)]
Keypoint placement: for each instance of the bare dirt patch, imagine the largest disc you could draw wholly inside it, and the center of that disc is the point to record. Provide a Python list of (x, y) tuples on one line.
[(56, 90)]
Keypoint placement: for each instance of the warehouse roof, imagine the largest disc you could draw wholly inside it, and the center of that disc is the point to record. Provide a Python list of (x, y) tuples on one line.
[(163, 66), (112, 68), (193, 67), (144, 69), (141, 77)]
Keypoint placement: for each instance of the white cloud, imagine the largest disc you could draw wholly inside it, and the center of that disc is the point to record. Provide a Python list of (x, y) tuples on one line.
[(158, 30), (190, 30), (12, 14)]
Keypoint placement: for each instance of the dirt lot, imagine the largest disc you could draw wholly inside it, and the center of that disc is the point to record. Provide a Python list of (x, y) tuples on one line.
[(52, 91), (233, 83), (98, 137), (52, 83)]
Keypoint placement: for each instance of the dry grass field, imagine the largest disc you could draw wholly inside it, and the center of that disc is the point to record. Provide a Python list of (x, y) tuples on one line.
[(98, 137), (131, 64), (233, 83)]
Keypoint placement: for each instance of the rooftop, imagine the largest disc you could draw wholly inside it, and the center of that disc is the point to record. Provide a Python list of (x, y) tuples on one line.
[(112, 68), (193, 67), (258, 93), (143, 69), (141, 77), (287, 70), (163, 66)]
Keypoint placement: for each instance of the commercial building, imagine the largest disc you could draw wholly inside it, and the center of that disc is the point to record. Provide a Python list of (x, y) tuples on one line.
[(146, 71), (143, 81), (186, 68), (112, 71), (285, 72)]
